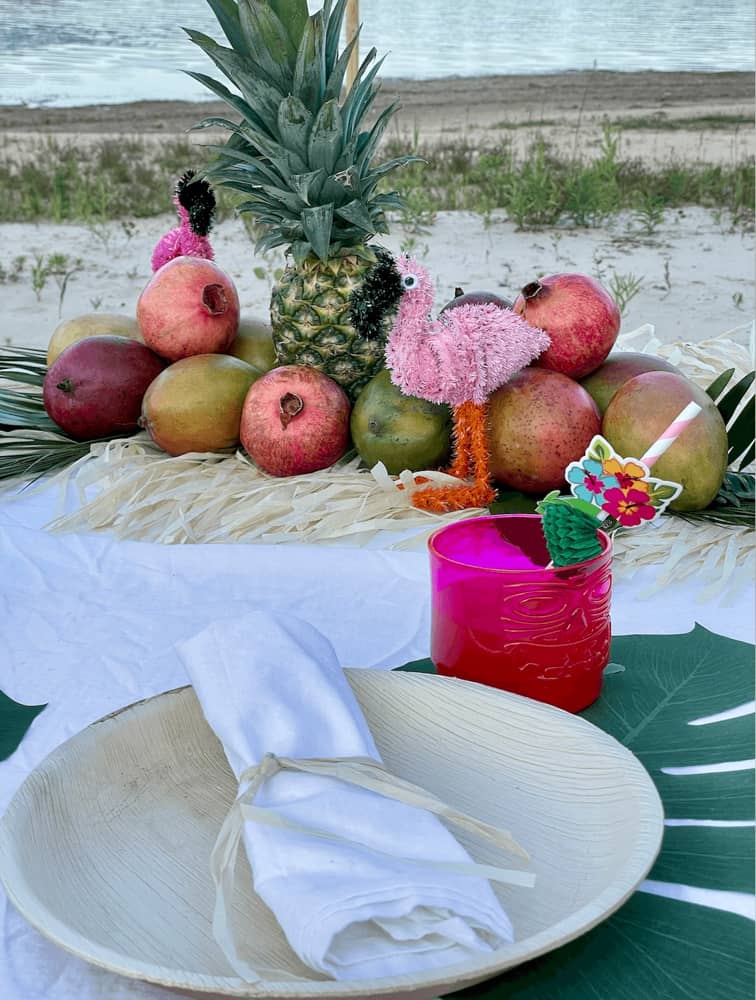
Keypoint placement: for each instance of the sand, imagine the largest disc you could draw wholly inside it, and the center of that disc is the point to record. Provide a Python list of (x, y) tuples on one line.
[(479, 108), (694, 274)]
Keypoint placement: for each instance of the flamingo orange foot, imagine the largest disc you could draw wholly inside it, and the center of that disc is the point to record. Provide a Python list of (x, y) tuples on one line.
[(443, 499)]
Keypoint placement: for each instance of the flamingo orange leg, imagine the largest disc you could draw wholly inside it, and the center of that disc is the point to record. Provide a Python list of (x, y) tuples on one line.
[(471, 438), (461, 466)]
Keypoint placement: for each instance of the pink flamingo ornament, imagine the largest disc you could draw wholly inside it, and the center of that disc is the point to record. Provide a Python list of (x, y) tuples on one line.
[(195, 202), (459, 358)]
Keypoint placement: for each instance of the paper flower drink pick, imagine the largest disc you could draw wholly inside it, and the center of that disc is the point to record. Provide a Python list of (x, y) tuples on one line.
[(610, 490)]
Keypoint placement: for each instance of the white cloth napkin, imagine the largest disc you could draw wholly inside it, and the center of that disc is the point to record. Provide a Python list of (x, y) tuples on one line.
[(273, 685)]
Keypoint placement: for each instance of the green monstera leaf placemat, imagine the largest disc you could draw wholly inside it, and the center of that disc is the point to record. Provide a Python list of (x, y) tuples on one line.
[(655, 947), (15, 719)]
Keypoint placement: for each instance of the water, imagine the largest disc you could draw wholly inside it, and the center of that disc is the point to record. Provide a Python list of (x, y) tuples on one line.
[(71, 52)]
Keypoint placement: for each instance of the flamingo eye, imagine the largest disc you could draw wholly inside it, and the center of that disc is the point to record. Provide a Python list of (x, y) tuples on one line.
[(409, 280)]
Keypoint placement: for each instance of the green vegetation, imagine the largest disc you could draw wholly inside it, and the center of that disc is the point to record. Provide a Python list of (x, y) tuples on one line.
[(63, 182), (126, 180), (696, 124), (543, 189), (650, 123)]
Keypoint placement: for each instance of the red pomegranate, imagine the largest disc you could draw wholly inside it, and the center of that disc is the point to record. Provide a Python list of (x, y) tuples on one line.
[(462, 298), (578, 314), (295, 420), (188, 307)]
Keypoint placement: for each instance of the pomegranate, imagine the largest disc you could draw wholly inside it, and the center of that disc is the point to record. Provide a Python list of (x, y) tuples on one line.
[(462, 298), (295, 420), (188, 307), (94, 388), (578, 314)]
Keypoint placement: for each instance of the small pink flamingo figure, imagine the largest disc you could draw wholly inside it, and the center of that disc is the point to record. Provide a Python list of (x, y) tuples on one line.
[(195, 202), (460, 359)]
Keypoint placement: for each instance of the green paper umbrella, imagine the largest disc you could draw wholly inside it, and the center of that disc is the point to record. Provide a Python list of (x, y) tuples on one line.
[(570, 533)]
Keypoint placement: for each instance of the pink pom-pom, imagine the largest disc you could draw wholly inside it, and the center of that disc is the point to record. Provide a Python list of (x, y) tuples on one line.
[(181, 242)]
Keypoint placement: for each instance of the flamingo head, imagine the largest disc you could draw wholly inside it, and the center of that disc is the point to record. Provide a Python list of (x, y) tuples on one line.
[(417, 286)]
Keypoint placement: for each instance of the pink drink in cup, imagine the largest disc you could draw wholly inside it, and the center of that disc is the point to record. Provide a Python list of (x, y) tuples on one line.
[(500, 617)]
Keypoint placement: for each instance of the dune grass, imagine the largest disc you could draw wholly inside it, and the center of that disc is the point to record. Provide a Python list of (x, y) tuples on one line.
[(112, 180), (543, 189)]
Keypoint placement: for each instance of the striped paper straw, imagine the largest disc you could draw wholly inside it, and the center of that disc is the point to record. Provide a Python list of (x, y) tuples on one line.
[(675, 429)]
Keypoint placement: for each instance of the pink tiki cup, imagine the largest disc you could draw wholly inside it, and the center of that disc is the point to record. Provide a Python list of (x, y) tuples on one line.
[(500, 617)]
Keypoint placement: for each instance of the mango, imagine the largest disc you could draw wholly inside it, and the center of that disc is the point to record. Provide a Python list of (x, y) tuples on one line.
[(538, 422), (403, 432), (254, 344), (94, 389), (90, 325), (642, 410), (196, 404), (619, 368)]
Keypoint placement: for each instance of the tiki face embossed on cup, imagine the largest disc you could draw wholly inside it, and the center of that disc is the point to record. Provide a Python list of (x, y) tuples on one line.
[(500, 617)]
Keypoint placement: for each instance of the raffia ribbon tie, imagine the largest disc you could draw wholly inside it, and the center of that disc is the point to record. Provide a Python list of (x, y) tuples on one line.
[(365, 773)]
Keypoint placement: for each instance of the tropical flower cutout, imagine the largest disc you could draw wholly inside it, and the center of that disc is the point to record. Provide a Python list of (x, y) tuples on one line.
[(621, 488), (588, 480), (628, 507), (607, 490), (628, 473)]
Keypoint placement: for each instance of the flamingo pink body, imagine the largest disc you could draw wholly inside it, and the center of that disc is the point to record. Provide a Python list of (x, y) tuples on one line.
[(463, 356), (181, 242)]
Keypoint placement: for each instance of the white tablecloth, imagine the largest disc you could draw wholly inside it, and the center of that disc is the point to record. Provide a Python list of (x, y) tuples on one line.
[(89, 624)]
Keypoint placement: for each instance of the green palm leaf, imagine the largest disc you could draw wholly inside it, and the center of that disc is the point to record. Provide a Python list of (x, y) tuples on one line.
[(735, 504), (740, 429), (31, 444), (15, 720), (23, 408), (28, 453), (32, 358), (656, 946)]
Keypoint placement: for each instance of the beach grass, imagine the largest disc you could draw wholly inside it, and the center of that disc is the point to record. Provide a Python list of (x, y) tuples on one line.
[(131, 179), (543, 189), (658, 122)]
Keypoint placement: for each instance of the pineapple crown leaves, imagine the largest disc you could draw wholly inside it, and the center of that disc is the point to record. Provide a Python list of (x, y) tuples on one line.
[(196, 196), (299, 151)]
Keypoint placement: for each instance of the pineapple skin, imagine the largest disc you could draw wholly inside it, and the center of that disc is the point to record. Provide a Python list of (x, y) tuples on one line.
[(309, 312)]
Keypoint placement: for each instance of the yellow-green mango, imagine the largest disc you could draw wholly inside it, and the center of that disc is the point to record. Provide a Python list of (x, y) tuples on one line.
[(403, 432), (196, 404), (254, 344), (90, 325)]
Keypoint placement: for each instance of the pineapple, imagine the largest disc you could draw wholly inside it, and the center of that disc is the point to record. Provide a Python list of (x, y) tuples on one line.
[(303, 155)]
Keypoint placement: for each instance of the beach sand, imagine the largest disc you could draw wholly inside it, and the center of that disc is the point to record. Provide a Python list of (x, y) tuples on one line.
[(694, 272), (568, 109)]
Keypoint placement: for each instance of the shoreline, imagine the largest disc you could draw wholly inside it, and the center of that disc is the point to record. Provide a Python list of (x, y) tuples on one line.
[(662, 116), (516, 96)]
